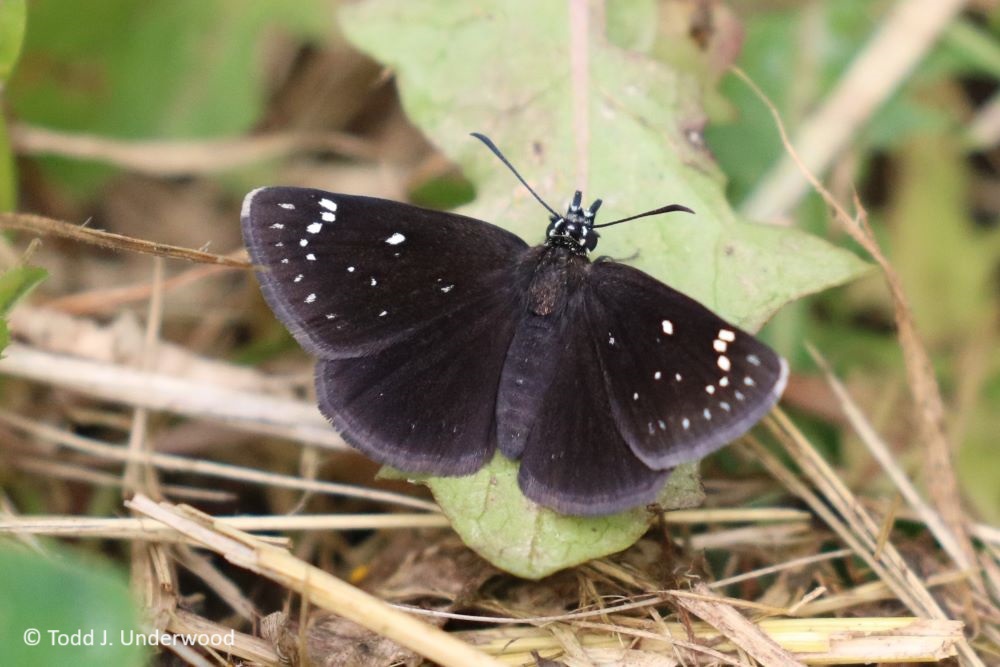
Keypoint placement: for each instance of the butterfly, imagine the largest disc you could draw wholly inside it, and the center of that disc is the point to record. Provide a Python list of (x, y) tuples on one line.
[(441, 339)]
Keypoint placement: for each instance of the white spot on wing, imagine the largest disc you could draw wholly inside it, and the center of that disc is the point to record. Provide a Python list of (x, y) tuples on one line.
[(657, 375), (668, 327), (310, 298), (447, 288), (753, 359), (686, 423), (303, 242), (724, 382), (311, 257), (277, 225), (724, 406), (350, 269), (328, 205), (395, 239), (724, 362), (635, 396), (327, 216), (748, 381), (710, 389), (719, 345), (707, 413), (662, 424), (678, 377), (374, 282), (727, 335), (288, 207), (314, 228), (383, 313), (298, 278)]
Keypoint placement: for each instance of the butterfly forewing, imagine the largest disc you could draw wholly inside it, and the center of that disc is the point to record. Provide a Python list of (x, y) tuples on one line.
[(410, 311), (351, 275), (682, 381)]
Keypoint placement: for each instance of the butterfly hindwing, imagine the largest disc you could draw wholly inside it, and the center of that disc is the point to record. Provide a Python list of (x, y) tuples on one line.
[(426, 404), (575, 460), (351, 275), (682, 381)]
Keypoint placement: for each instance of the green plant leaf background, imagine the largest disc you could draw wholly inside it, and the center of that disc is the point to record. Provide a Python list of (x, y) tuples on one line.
[(12, 22), (15, 284), (167, 70), (67, 593), (643, 151)]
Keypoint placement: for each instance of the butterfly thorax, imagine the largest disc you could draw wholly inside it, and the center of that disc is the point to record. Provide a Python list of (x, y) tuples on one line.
[(558, 273), (575, 230)]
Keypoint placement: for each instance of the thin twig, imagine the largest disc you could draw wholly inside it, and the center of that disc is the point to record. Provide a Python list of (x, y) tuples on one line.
[(174, 463), (39, 224), (182, 158), (257, 413), (131, 528), (579, 57), (321, 588), (880, 450)]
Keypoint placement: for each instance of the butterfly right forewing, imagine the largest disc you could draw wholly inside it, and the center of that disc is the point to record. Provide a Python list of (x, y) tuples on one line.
[(682, 381)]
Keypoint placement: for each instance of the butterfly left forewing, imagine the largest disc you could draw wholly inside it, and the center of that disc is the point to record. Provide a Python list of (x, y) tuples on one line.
[(682, 382)]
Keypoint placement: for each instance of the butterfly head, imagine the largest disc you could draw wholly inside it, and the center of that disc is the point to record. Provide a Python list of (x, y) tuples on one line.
[(575, 230)]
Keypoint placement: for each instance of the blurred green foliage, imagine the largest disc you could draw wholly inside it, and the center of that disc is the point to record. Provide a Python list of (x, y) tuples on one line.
[(162, 70), (12, 21), (83, 600), (15, 284)]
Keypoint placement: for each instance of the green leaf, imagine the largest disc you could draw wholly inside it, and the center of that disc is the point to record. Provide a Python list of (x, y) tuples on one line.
[(503, 68), (82, 600), (8, 174), (14, 286), (12, 13), (16, 283), (494, 519), (932, 228)]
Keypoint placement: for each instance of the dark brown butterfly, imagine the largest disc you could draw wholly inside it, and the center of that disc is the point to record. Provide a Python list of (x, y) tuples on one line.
[(441, 338)]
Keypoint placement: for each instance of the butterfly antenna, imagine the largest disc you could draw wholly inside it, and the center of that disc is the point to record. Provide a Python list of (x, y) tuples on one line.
[(663, 209), (496, 151)]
